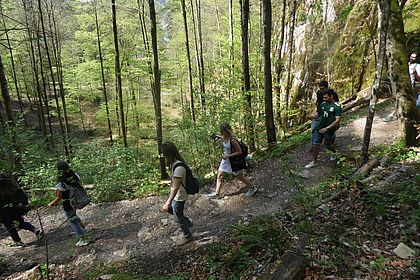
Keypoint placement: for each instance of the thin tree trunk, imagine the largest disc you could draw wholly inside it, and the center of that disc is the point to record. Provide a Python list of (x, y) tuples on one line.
[(187, 47), (244, 4), (119, 92), (201, 72), (197, 50), (156, 95), (25, 82), (231, 42), (108, 118), (63, 132), (268, 93), (383, 30), (279, 62), (289, 63)]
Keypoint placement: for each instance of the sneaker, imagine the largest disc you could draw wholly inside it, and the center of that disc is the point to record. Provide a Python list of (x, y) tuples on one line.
[(82, 242), (39, 234), (184, 240), (251, 191), (214, 196), (311, 164), (389, 118), (333, 157), (17, 244)]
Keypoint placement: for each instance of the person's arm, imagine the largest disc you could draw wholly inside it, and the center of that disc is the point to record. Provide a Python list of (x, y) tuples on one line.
[(59, 196), (331, 126), (236, 147), (176, 184)]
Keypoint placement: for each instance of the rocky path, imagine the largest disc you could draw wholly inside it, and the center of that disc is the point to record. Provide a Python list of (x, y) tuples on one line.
[(137, 232)]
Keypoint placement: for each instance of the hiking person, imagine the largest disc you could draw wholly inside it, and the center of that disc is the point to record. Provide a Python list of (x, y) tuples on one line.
[(414, 71), (175, 203), (322, 88), (414, 74), (231, 148), (13, 206), (65, 178), (330, 114)]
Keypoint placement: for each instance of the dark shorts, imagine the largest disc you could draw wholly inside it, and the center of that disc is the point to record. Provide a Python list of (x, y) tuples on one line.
[(328, 137)]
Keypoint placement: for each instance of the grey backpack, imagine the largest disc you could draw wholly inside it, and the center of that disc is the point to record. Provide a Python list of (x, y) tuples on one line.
[(78, 196)]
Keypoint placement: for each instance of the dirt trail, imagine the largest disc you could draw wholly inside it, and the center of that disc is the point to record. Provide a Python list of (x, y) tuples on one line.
[(137, 232)]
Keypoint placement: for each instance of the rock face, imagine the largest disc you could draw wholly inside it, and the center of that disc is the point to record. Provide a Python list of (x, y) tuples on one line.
[(292, 267)]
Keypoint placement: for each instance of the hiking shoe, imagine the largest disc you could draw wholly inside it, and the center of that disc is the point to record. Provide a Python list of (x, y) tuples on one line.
[(251, 191), (82, 242), (17, 244), (39, 234), (311, 164), (190, 223), (333, 157), (214, 196), (184, 240)]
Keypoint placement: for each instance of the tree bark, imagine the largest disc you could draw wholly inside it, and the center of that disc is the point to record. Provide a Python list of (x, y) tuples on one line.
[(187, 47), (398, 73), (157, 102), (98, 35), (383, 30), (268, 93), (201, 72), (249, 121), (118, 75), (6, 95), (279, 61)]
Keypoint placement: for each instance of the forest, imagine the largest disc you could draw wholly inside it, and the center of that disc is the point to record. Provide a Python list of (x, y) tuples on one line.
[(102, 84)]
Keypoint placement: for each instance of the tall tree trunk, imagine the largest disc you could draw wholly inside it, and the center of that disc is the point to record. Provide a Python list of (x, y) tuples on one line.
[(156, 95), (98, 34), (396, 54), (15, 80), (268, 92), (197, 49), (289, 64), (6, 95), (200, 39), (279, 66), (34, 65), (383, 30), (187, 47), (231, 39), (119, 92), (244, 4), (63, 132)]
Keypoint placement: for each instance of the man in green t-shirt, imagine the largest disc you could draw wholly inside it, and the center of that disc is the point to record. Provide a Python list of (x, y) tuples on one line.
[(330, 114)]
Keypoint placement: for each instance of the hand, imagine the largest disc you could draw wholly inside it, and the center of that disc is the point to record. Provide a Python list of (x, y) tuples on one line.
[(323, 130), (225, 157), (165, 207)]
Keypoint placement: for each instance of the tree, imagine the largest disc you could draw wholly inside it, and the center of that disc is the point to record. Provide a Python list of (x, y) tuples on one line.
[(383, 30), (118, 75), (268, 92), (156, 95), (6, 95)]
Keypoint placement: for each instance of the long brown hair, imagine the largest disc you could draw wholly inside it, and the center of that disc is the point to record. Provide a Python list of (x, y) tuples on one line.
[(226, 127), (171, 152)]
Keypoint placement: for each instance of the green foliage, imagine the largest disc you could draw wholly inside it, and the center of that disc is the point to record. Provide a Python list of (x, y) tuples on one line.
[(256, 242), (3, 263)]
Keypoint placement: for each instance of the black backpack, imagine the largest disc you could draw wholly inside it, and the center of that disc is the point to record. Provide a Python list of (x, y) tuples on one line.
[(192, 185), (238, 162), (21, 203)]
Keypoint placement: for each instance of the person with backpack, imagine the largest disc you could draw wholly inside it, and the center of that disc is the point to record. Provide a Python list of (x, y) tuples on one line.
[(66, 178), (175, 203), (13, 206), (232, 152), (414, 71)]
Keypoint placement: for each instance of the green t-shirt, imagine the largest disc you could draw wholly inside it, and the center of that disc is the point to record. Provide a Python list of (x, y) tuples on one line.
[(328, 113)]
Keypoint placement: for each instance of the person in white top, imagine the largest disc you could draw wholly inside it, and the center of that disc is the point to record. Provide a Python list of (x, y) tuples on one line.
[(225, 166), (414, 71), (175, 203)]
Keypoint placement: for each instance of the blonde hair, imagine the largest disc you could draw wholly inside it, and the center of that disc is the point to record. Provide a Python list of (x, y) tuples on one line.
[(226, 127)]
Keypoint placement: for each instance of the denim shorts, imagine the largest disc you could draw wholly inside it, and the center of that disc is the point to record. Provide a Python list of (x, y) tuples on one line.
[(328, 137)]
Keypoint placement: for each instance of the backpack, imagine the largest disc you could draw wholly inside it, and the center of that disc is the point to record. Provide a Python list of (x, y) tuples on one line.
[(78, 196), (238, 162), (21, 203), (192, 185)]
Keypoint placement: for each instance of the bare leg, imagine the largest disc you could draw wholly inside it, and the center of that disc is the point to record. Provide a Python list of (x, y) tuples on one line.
[(315, 152), (220, 177), (243, 179)]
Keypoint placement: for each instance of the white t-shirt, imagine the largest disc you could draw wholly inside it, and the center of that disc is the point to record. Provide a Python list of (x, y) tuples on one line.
[(180, 172), (412, 69)]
